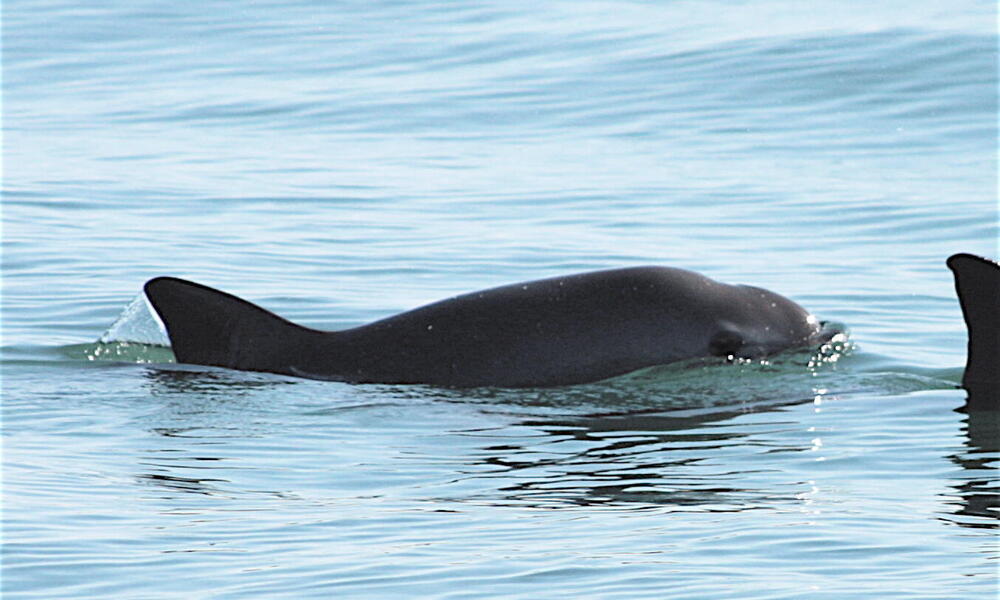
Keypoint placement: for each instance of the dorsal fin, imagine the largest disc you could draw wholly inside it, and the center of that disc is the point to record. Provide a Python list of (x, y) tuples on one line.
[(977, 281), (210, 327)]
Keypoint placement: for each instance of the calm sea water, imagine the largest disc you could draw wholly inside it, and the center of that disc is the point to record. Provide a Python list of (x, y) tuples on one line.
[(340, 162)]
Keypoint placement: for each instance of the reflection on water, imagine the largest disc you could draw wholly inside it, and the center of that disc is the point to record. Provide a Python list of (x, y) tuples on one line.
[(634, 443), (980, 491), (672, 459), (185, 379), (251, 469), (186, 485)]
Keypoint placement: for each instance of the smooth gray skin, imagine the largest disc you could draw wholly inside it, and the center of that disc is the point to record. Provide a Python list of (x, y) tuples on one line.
[(559, 331)]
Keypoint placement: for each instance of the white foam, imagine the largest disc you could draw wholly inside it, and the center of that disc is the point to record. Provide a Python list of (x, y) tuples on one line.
[(137, 323)]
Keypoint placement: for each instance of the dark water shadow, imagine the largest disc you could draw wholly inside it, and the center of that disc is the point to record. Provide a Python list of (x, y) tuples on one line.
[(654, 459), (699, 458), (980, 491), (659, 438), (192, 379), (634, 441), (198, 410)]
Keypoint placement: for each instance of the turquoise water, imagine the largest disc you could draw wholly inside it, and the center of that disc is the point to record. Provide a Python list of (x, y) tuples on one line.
[(341, 162)]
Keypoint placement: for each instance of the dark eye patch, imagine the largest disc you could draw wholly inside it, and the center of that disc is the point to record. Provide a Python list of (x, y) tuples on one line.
[(725, 343)]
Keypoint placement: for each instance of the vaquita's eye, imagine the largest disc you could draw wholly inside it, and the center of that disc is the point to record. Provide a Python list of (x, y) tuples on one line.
[(725, 343)]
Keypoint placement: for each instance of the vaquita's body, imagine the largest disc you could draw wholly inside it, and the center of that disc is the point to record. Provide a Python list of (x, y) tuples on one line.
[(557, 331)]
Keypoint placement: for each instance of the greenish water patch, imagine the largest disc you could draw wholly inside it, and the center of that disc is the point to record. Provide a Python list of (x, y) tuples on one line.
[(126, 352)]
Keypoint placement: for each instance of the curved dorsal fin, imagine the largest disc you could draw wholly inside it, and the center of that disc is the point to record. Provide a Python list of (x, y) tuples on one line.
[(210, 327), (977, 281)]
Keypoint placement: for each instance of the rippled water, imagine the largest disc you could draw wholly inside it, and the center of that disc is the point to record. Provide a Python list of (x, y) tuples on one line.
[(339, 163)]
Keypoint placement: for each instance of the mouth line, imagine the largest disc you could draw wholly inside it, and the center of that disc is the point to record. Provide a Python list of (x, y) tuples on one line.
[(827, 331)]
